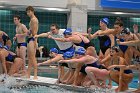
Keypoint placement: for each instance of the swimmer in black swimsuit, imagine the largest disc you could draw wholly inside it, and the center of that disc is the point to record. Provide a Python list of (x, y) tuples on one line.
[(105, 41), (115, 62)]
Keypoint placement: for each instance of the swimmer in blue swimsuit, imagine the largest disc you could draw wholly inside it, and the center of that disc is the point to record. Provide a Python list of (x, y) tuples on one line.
[(82, 60), (32, 43), (20, 38), (55, 57), (118, 29), (11, 58), (77, 38)]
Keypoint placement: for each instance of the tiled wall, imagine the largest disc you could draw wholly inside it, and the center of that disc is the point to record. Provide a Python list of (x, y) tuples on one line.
[(93, 21), (45, 20)]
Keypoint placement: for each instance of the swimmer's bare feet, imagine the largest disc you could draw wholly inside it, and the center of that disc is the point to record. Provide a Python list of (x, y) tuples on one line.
[(109, 86), (87, 84), (35, 78), (58, 82), (65, 82), (74, 85), (94, 87), (117, 89)]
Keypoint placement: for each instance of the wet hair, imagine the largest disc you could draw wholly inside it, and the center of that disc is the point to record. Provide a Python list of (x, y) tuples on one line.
[(55, 25), (118, 22), (30, 8), (125, 31), (116, 48), (17, 16)]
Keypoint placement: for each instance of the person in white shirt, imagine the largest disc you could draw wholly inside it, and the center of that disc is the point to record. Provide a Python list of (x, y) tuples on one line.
[(58, 33)]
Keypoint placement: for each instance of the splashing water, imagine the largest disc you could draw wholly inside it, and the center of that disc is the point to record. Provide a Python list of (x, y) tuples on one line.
[(8, 82)]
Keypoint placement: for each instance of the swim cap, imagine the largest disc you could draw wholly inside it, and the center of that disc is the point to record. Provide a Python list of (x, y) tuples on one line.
[(1, 46), (116, 48), (54, 50), (105, 20), (125, 31), (68, 54), (68, 31), (6, 47), (80, 51)]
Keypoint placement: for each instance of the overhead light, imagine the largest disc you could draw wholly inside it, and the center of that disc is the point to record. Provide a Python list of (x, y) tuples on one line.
[(54, 9), (119, 13), (1, 6)]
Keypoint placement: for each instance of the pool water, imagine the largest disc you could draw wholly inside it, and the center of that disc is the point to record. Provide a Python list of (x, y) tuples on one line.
[(11, 85), (52, 75), (42, 89)]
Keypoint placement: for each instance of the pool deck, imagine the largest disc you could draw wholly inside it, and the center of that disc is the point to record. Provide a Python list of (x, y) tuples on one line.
[(52, 82)]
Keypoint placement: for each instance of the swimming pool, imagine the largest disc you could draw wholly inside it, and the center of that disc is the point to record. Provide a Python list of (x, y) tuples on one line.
[(42, 89), (13, 86), (16, 85), (133, 84)]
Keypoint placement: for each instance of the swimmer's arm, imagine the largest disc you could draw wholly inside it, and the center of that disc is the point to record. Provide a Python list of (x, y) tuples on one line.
[(12, 53), (112, 40), (25, 30), (138, 35), (123, 61), (4, 33), (91, 36), (43, 35), (118, 66), (130, 43), (2, 59), (56, 59), (135, 67), (80, 60), (70, 39), (34, 27), (107, 32), (120, 78), (84, 34), (106, 59)]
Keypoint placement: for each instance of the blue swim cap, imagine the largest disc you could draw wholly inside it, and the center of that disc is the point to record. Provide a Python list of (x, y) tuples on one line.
[(68, 31), (80, 51), (1, 46), (105, 20), (6, 47), (68, 55), (54, 50)]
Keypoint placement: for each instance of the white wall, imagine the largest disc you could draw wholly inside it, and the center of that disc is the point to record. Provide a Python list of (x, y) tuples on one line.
[(45, 3), (91, 4)]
